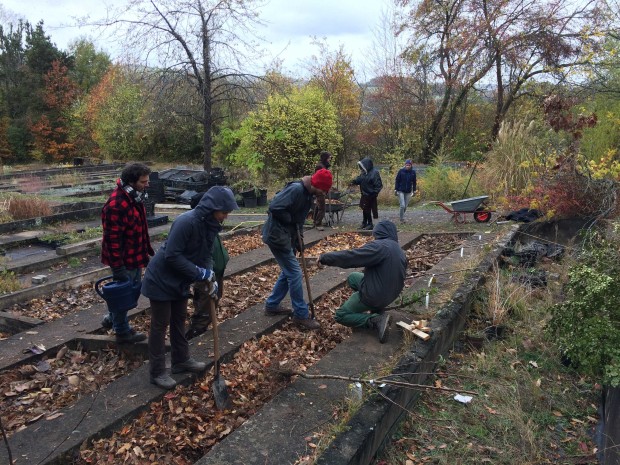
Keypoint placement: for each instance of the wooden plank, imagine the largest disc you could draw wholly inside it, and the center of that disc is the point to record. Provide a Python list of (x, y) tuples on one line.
[(421, 334)]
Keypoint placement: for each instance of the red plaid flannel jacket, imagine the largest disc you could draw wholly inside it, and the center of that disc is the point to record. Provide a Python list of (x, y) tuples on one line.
[(126, 239)]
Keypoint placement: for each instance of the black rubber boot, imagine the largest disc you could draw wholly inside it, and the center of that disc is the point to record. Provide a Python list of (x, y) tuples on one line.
[(381, 323)]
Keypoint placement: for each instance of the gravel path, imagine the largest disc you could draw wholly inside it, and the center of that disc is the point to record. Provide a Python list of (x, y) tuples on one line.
[(423, 218)]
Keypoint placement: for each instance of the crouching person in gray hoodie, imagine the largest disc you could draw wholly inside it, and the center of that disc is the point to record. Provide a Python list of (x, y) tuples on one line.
[(379, 285), (185, 258)]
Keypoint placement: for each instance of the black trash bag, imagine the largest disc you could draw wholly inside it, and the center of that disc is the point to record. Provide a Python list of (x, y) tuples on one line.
[(525, 215), (529, 255)]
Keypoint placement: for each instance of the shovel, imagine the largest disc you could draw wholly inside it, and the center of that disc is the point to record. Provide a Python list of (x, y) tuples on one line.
[(303, 266), (220, 390)]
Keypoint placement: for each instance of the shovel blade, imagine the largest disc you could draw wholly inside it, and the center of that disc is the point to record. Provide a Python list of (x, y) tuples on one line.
[(220, 393)]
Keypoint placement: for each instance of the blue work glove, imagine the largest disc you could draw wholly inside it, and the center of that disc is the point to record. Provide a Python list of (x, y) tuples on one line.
[(204, 274), (213, 288), (120, 274)]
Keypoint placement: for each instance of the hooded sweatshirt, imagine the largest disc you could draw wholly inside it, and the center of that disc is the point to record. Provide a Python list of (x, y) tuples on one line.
[(190, 244), (287, 213), (370, 179), (384, 265)]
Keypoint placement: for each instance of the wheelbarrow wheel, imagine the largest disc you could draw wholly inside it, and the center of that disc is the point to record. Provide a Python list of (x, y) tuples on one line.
[(482, 216)]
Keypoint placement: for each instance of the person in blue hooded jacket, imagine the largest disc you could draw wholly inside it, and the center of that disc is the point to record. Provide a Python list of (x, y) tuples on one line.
[(405, 187), (379, 285), (185, 258), (370, 185)]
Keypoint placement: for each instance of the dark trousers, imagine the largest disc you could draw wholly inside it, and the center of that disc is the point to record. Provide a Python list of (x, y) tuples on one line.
[(368, 204), (319, 210), (163, 314)]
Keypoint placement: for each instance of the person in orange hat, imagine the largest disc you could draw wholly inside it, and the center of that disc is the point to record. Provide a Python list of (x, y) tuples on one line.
[(286, 216)]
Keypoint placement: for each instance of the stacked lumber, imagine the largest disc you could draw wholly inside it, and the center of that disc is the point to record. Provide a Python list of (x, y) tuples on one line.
[(418, 327)]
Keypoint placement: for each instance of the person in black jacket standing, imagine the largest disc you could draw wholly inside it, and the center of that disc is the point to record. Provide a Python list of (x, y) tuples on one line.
[(287, 213), (405, 187), (370, 186), (379, 285)]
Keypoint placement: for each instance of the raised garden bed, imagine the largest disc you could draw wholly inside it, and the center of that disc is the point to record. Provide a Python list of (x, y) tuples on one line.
[(66, 212), (277, 345)]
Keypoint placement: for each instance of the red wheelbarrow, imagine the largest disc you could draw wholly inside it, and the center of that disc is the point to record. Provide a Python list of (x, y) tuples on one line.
[(474, 205)]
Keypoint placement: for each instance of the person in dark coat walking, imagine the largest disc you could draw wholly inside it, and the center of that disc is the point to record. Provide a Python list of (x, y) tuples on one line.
[(186, 257), (405, 187), (379, 285), (370, 185), (287, 214), (126, 246), (319, 209)]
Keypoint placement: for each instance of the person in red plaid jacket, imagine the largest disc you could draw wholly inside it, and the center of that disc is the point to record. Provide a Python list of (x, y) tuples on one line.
[(126, 246)]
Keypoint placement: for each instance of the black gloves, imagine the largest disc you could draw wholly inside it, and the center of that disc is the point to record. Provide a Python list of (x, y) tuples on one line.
[(120, 274)]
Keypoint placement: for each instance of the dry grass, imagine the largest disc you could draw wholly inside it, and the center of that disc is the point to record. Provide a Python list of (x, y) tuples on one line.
[(21, 207), (530, 409)]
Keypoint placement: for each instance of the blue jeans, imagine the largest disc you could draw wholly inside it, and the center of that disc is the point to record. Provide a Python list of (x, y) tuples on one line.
[(289, 281), (119, 320), (403, 200)]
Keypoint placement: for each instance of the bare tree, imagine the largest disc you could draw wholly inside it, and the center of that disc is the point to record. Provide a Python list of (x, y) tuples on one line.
[(203, 43), (518, 39), (535, 38), (399, 97)]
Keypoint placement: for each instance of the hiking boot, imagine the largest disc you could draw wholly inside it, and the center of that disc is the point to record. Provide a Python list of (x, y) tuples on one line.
[(307, 324), (362, 226), (195, 332), (368, 227), (273, 311), (382, 324), (163, 381), (106, 323), (130, 337), (191, 365)]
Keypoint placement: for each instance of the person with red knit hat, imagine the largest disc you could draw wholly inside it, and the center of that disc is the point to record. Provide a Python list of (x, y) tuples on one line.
[(286, 217)]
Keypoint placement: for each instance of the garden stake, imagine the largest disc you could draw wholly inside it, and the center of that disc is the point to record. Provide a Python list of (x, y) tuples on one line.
[(303, 266), (220, 390)]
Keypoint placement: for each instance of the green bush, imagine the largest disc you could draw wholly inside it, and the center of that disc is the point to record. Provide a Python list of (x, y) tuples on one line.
[(587, 323), (441, 182)]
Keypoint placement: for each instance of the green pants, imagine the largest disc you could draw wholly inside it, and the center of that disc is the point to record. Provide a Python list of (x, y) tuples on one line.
[(353, 311)]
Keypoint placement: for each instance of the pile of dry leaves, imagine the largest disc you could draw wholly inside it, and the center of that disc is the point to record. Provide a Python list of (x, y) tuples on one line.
[(60, 303), (32, 392), (185, 424)]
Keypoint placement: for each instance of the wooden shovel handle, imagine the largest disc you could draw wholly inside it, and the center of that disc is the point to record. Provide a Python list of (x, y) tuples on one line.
[(216, 339), (305, 270)]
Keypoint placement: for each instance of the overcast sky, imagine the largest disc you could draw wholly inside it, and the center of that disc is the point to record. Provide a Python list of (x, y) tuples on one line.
[(292, 23)]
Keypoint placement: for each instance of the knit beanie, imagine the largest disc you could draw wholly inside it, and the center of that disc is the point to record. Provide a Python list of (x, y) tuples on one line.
[(408, 162), (322, 180)]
